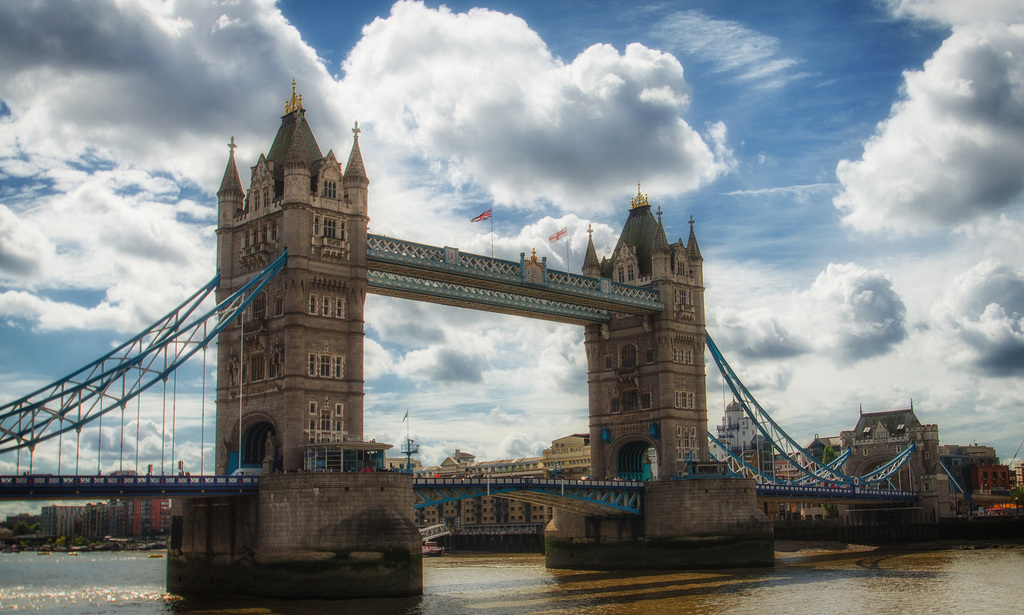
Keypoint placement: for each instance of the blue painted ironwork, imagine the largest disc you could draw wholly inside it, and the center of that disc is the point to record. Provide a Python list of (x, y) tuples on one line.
[(124, 373), (47, 487), (581, 496), (787, 449), (462, 293), (471, 276), (837, 492)]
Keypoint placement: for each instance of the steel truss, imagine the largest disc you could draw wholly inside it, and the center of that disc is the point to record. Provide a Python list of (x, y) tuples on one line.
[(109, 382), (812, 470), (580, 496)]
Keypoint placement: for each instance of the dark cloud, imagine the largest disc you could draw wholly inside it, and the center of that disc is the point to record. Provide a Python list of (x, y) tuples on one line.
[(452, 366)]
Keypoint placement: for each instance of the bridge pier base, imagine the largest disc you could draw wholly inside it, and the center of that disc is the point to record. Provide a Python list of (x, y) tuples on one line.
[(332, 535), (687, 524)]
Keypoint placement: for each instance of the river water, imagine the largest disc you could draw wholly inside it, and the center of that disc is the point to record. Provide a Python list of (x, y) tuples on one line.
[(984, 581)]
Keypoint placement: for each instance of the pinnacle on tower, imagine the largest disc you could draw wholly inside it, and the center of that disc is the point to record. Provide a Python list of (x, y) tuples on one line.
[(355, 173), (591, 266), (231, 182)]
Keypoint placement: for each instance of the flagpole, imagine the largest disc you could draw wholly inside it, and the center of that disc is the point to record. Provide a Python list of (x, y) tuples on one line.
[(568, 238), (491, 218)]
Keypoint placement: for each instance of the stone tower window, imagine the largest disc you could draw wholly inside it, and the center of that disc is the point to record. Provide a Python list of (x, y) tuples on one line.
[(628, 356)]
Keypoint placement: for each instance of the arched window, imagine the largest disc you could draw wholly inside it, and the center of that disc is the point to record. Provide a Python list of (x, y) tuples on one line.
[(627, 358), (622, 276)]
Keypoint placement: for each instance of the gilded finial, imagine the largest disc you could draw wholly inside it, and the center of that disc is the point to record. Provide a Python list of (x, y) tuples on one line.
[(534, 257), (294, 103), (640, 200)]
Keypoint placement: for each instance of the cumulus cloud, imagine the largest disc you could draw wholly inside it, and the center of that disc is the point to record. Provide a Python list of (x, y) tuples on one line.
[(952, 148), (481, 96), (983, 310), (957, 12), (856, 312), (848, 314)]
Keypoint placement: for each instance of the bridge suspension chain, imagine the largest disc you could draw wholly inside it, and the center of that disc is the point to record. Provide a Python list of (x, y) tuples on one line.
[(812, 469), (133, 367)]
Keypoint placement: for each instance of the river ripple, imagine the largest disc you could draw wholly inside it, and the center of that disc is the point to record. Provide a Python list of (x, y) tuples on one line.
[(814, 582)]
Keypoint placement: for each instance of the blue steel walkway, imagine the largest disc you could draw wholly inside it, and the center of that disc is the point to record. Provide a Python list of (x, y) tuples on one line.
[(47, 487)]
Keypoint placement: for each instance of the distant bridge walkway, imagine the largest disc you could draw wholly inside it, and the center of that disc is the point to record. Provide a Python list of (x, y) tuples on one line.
[(69, 487)]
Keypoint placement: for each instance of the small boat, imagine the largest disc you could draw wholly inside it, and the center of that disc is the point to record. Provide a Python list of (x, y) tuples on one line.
[(431, 549), (155, 555), (43, 553)]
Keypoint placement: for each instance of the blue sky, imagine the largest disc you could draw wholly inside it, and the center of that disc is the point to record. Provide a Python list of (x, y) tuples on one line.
[(855, 170)]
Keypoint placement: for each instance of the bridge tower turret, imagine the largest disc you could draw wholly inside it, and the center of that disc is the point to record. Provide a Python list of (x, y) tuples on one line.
[(290, 377), (648, 408)]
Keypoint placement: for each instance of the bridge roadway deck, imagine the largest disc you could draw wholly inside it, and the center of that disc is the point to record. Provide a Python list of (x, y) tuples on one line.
[(527, 288), (589, 497)]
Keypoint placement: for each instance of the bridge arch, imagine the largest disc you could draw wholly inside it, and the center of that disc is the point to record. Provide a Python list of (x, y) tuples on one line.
[(859, 466), (255, 448), (636, 460)]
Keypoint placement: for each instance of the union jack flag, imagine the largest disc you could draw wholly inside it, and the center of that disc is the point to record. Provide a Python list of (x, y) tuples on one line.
[(484, 216)]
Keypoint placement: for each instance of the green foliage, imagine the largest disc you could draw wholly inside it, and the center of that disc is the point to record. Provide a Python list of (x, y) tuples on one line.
[(60, 542), (1018, 495), (829, 454)]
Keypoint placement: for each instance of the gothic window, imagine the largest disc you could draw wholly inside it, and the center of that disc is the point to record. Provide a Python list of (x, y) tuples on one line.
[(339, 410), (314, 362), (266, 197), (338, 367), (325, 420), (615, 404), (645, 400), (339, 308), (313, 304), (608, 362), (629, 274), (259, 307), (684, 399), (312, 407), (316, 225), (245, 239), (628, 357), (325, 366), (256, 200), (650, 355), (279, 305), (263, 234), (256, 366), (330, 226), (273, 231), (330, 189), (622, 275), (325, 309), (629, 401), (341, 230)]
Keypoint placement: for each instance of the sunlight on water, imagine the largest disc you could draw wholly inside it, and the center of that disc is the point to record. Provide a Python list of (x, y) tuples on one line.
[(813, 582)]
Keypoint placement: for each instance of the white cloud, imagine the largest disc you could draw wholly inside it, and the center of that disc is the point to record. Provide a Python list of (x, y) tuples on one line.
[(952, 148), (983, 310), (958, 12), (729, 46), (480, 96)]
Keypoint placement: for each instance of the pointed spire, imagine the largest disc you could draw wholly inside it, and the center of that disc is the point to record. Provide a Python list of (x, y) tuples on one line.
[(660, 241), (297, 154), (691, 243), (591, 266), (231, 181), (354, 170)]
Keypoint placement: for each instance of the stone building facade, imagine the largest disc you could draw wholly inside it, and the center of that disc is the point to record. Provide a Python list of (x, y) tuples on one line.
[(648, 406), (293, 367)]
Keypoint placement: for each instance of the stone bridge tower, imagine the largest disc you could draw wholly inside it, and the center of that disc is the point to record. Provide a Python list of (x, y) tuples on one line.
[(648, 409), (297, 376)]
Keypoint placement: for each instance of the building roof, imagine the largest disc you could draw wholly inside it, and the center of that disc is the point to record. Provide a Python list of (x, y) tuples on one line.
[(893, 421), (639, 231)]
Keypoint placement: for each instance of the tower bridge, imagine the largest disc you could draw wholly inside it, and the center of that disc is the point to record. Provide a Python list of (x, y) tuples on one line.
[(295, 263)]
